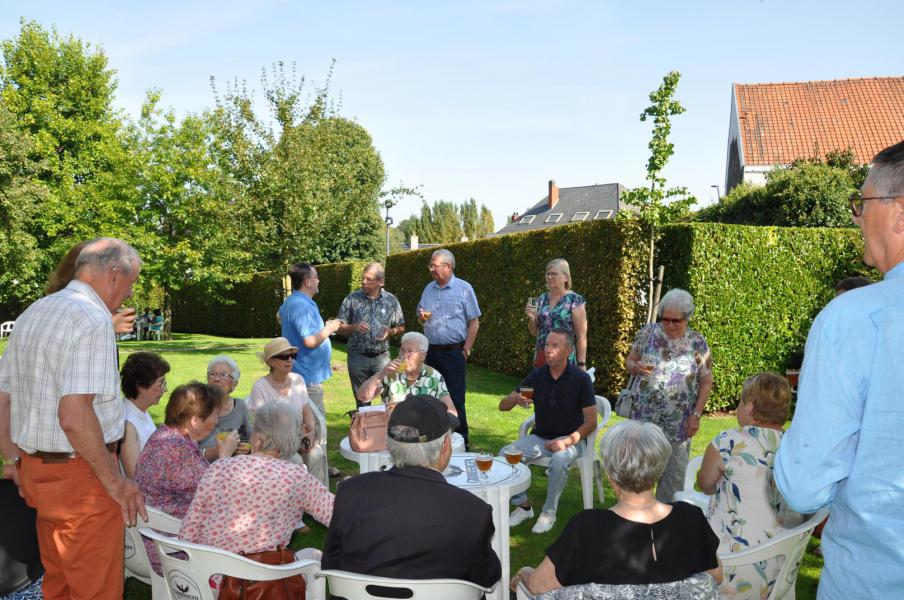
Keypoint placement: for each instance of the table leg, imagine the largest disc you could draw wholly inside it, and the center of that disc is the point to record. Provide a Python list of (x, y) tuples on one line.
[(499, 503)]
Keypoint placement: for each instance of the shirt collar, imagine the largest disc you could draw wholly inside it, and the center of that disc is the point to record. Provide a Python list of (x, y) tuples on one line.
[(83, 288), (448, 283), (896, 271)]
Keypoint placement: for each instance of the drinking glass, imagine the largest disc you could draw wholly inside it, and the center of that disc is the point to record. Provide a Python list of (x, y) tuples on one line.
[(513, 455), (527, 392), (484, 463)]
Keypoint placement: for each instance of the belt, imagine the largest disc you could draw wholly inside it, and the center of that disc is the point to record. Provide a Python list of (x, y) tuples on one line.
[(447, 347), (51, 457), (373, 354)]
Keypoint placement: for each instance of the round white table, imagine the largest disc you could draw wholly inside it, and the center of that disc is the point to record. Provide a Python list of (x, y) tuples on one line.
[(374, 461)]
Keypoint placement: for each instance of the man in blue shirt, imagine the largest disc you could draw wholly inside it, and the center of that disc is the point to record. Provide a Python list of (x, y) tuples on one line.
[(845, 444), (450, 315), (303, 326)]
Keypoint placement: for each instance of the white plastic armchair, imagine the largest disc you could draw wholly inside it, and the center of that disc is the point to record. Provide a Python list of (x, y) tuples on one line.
[(188, 576), (586, 461), (689, 494), (790, 544), (136, 556), (7, 328), (362, 587)]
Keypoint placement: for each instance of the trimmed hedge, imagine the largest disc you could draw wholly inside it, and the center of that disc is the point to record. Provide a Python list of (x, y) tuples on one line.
[(757, 290)]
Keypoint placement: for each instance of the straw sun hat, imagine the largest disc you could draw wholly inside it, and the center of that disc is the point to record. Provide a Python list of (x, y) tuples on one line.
[(276, 346)]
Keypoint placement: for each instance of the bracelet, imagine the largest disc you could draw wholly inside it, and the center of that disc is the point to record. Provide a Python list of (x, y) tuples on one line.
[(697, 414)]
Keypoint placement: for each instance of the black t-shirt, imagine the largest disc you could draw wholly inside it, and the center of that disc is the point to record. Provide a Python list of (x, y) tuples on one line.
[(559, 403), (598, 546)]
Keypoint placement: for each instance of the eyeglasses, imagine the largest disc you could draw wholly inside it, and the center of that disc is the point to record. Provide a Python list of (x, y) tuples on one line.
[(410, 351), (161, 382), (856, 199), (434, 266), (286, 356), (671, 321), (552, 273), (214, 375)]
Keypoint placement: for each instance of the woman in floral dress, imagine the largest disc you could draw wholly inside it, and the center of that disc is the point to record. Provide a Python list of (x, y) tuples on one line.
[(746, 509), (559, 308), (674, 367)]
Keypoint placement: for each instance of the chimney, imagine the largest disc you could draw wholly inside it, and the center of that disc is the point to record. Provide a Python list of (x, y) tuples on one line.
[(514, 217), (553, 194)]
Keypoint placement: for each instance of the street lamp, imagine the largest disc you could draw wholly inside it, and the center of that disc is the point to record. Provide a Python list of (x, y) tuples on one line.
[(718, 194)]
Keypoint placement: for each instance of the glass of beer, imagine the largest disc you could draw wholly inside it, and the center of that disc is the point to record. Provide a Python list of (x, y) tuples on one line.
[(484, 462), (513, 455), (527, 392), (426, 314), (403, 366)]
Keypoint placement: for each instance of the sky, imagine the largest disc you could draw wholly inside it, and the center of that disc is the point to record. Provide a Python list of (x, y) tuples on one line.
[(491, 99)]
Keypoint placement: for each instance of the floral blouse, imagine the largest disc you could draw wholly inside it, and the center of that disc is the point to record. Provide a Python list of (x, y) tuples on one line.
[(747, 509), (668, 396), (168, 470), (430, 382), (555, 317), (253, 503)]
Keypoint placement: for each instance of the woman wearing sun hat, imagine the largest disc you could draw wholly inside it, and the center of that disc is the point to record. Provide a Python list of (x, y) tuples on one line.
[(283, 385)]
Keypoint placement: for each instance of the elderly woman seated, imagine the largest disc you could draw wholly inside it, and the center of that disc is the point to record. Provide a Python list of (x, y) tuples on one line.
[(407, 376), (746, 509), (223, 373), (171, 465), (143, 381), (639, 540), (252, 503)]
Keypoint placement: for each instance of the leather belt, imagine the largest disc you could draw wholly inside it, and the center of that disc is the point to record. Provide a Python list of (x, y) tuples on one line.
[(447, 347), (374, 354), (51, 457)]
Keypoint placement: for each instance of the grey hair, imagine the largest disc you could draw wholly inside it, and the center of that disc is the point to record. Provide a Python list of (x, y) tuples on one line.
[(406, 454), (423, 344), (378, 266), (276, 425), (635, 455), (887, 172), (222, 359), (108, 253), (562, 265), (446, 256), (680, 300)]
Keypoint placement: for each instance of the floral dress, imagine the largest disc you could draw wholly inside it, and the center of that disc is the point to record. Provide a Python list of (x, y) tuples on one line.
[(747, 509), (667, 397), (555, 317), (429, 381)]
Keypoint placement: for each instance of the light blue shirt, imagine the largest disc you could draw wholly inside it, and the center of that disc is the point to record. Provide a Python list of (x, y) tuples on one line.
[(452, 305), (301, 318), (845, 446)]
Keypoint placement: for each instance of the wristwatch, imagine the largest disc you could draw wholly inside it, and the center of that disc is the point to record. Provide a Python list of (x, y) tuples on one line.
[(697, 414)]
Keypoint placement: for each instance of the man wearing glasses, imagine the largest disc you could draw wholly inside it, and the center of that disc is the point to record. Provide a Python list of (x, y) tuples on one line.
[(565, 409), (370, 316), (845, 444)]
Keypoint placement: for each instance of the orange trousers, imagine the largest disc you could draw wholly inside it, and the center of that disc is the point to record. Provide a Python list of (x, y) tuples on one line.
[(80, 530)]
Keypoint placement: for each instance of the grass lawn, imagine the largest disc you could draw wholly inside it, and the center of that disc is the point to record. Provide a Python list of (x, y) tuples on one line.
[(490, 429)]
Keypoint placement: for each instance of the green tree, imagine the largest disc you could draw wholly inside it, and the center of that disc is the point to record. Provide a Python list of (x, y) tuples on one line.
[(470, 218), (658, 205), (446, 222), (487, 226)]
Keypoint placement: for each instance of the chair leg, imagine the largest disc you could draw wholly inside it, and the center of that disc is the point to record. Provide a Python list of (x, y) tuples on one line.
[(586, 468), (600, 481)]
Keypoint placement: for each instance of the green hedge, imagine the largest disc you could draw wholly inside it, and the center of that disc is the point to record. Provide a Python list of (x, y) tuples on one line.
[(757, 290)]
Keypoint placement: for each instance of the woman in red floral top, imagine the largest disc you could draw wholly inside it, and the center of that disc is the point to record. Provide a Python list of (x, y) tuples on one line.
[(253, 503)]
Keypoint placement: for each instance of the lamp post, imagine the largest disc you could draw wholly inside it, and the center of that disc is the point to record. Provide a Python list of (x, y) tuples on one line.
[(387, 204), (718, 194)]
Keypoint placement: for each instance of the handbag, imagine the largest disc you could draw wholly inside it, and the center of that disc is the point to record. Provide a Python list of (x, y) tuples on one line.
[(367, 432), (626, 398), (289, 588)]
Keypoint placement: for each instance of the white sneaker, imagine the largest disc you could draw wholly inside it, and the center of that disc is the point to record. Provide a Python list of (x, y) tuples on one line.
[(544, 523), (520, 515)]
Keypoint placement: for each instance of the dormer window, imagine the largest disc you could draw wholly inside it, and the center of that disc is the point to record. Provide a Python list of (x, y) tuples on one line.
[(603, 214), (554, 217), (580, 216), (527, 219)]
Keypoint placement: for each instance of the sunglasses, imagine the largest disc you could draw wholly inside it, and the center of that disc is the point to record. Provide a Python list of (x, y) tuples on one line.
[(856, 200), (286, 356)]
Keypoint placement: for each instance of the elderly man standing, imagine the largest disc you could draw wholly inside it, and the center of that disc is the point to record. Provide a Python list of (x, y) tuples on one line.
[(844, 447), (370, 317), (60, 382), (409, 522), (565, 410), (450, 315)]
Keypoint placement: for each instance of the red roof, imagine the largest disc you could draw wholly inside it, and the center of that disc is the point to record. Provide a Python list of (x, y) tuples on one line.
[(781, 122)]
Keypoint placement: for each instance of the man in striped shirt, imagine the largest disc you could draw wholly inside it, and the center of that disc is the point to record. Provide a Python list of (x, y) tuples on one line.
[(450, 315)]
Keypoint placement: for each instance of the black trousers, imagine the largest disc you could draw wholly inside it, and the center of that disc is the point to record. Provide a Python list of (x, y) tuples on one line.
[(451, 365)]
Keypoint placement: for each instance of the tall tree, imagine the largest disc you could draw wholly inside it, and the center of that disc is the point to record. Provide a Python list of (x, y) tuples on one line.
[(487, 226), (470, 218), (445, 222), (658, 205)]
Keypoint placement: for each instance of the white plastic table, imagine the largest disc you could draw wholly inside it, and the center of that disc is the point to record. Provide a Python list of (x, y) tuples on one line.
[(374, 461), (503, 481)]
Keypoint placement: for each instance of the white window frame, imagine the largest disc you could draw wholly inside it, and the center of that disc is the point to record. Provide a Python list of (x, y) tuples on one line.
[(526, 219), (586, 214), (550, 219), (599, 212)]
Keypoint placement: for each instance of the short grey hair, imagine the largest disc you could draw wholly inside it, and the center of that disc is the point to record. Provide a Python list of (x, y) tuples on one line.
[(106, 254), (635, 455), (276, 425), (405, 454), (423, 344), (678, 299), (887, 172), (377, 266), (222, 359), (446, 256)]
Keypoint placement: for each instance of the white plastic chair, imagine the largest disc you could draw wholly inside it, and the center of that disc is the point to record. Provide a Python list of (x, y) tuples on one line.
[(7, 328), (689, 494), (189, 577), (136, 557), (699, 586), (361, 587), (790, 544), (586, 461)]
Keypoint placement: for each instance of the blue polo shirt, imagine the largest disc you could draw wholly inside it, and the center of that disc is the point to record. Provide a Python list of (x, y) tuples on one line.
[(559, 403), (301, 318)]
